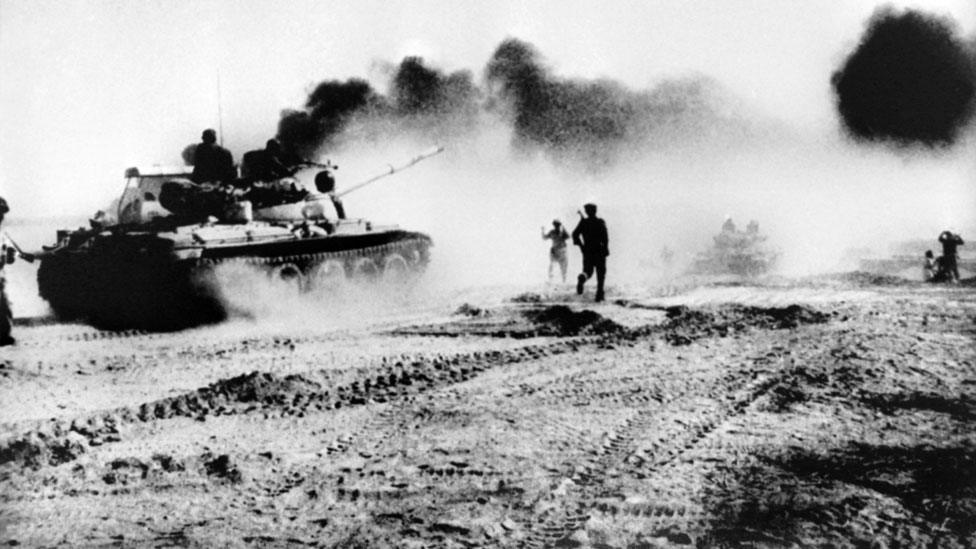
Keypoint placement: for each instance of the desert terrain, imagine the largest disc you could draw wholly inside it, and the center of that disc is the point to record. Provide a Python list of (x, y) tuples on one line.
[(829, 411), (837, 410)]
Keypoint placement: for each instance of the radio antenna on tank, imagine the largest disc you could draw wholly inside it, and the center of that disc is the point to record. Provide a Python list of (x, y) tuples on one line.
[(220, 112)]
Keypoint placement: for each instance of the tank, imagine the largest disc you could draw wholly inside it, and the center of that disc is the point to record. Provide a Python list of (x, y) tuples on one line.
[(734, 252), (153, 267)]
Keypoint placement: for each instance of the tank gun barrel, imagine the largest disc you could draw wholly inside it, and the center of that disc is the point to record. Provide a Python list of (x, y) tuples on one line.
[(312, 163), (394, 169)]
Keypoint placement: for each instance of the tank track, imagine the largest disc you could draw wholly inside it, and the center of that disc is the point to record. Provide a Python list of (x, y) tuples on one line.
[(412, 250), (165, 295), (748, 265)]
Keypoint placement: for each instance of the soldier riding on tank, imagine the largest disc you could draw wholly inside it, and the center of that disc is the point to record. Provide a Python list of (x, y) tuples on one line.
[(211, 162), (266, 164)]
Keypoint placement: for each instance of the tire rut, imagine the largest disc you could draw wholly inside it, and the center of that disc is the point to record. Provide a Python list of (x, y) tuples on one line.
[(59, 441), (626, 450)]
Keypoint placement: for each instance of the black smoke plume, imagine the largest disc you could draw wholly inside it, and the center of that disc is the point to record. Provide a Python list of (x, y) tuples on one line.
[(419, 90), (589, 122), (329, 107), (910, 80), (420, 98), (560, 115), (594, 121)]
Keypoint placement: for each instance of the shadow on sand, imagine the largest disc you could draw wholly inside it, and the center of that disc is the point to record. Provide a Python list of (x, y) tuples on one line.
[(844, 497)]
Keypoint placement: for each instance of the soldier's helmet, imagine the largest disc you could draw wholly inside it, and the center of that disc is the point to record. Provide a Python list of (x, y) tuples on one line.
[(209, 136), (589, 208), (3, 206), (556, 222)]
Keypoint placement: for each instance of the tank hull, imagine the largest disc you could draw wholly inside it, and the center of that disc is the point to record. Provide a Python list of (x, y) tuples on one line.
[(138, 280), (739, 264), (736, 253)]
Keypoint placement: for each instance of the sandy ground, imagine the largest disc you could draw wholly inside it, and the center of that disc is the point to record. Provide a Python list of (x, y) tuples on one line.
[(833, 411)]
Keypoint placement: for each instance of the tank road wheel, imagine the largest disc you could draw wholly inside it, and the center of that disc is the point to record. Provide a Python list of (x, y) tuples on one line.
[(289, 274), (365, 269), (330, 274), (418, 261), (395, 269)]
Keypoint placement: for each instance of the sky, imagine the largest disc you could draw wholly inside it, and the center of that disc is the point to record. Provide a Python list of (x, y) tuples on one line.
[(91, 87)]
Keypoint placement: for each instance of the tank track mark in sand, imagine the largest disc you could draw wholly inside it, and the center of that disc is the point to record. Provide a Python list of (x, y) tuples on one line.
[(694, 443), (379, 389), (392, 380), (621, 451), (673, 509), (472, 486)]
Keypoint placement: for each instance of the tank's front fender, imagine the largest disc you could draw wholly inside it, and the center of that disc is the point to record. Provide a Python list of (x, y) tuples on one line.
[(187, 253)]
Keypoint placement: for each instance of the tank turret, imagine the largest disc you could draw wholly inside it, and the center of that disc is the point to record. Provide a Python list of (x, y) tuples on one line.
[(735, 252)]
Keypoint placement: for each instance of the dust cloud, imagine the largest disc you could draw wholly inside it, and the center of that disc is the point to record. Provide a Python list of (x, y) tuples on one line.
[(666, 166), (254, 301), (484, 204)]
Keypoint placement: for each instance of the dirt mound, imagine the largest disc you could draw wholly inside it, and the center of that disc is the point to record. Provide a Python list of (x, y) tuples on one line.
[(864, 278), (685, 325), (258, 387), (560, 320), (962, 407), (527, 297), (466, 309), (222, 467), (37, 449), (63, 441)]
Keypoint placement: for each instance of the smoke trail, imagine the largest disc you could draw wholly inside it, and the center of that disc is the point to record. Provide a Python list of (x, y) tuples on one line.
[(910, 80), (595, 121), (562, 116), (427, 101), (419, 90), (328, 109), (579, 122), (420, 99)]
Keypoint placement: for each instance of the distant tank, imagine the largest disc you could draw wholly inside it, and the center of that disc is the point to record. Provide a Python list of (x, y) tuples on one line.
[(153, 266), (734, 252)]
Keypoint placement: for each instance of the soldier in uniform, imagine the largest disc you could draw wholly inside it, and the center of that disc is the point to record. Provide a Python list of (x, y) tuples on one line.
[(265, 164), (592, 238), (557, 253), (950, 241), (211, 162), (929, 267), (6, 256)]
